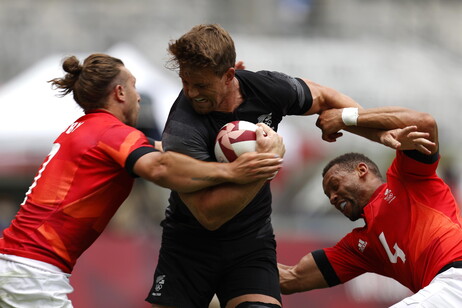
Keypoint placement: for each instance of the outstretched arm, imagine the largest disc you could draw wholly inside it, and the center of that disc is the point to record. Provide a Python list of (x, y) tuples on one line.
[(303, 276), (397, 127), (185, 174), (325, 98)]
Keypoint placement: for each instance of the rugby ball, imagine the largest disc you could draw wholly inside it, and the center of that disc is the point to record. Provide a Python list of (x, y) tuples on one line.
[(234, 139)]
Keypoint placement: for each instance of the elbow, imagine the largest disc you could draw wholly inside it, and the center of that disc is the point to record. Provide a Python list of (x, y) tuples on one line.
[(208, 216), (428, 122), (289, 282), (210, 222), (160, 176), (209, 207), (212, 226)]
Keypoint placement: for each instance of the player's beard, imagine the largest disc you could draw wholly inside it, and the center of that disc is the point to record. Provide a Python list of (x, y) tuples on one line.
[(355, 202), (203, 107)]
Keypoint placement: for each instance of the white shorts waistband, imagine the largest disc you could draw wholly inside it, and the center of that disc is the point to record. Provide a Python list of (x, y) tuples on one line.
[(31, 262)]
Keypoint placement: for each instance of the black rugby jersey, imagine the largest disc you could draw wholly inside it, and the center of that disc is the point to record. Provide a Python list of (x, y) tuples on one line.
[(268, 97)]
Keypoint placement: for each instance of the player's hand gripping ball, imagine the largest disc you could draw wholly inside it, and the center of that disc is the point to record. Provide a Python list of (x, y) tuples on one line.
[(235, 139)]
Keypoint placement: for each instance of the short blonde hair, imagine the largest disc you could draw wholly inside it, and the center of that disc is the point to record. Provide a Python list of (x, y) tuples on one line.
[(206, 46)]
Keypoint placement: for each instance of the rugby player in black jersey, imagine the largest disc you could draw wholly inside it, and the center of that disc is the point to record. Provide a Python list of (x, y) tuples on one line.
[(220, 240)]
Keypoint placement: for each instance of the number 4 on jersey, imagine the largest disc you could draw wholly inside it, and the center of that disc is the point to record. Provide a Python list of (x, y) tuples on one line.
[(398, 252)]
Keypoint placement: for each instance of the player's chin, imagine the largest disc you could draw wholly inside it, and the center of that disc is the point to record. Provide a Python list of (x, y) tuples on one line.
[(353, 217), (202, 107), (202, 110)]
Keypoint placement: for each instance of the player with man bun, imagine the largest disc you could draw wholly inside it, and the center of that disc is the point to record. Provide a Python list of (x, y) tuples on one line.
[(89, 173)]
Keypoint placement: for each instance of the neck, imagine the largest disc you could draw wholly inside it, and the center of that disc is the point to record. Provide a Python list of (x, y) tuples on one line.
[(234, 97), (115, 111), (373, 188)]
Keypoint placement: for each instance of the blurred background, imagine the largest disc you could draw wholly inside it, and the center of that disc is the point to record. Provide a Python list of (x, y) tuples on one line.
[(379, 52)]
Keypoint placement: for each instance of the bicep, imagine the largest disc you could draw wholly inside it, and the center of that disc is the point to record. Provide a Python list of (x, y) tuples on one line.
[(310, 275), (327, 98), (149, 167)]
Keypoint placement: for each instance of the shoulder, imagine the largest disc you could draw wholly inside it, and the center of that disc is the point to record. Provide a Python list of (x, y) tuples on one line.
[(271, 84), (99, 126), (287, 93), (265, 76), (114, 133), (101, 136), (186, 131), (183, 120)]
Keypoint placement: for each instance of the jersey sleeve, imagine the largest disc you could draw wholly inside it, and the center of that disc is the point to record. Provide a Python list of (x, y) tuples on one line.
[(134, 156), (125, 144), (293, 92), (325, 267), (419, 176), (414, 165), (341, 262)]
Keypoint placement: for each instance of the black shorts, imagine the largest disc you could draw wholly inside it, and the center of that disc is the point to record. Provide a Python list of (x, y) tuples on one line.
[(192, 269)]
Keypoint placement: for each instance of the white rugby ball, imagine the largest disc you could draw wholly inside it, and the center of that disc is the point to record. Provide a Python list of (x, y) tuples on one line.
[(234, 139)]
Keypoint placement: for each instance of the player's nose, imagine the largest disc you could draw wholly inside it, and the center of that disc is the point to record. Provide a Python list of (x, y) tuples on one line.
[(191, 92), (333, 199)]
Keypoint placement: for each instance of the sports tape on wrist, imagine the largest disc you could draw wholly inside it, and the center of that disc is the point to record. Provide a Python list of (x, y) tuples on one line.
[(350, 116)]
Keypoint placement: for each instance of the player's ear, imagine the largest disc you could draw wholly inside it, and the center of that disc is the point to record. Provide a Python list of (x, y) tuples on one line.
[(119, 92), (229, 75), (362, 169)]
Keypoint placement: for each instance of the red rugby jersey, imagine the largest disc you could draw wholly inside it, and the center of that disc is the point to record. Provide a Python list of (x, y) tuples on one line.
[(79, 187), (413, 228)]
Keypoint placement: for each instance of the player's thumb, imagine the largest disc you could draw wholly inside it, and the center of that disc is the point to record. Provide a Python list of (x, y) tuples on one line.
[(259, 132)]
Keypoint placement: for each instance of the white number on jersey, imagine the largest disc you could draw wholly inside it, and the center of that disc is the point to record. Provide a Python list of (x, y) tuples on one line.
[(398, 252), (52, 153)]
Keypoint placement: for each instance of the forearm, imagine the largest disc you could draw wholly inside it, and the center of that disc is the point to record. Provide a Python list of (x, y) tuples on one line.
[(192, 174), (288, 280), (391, 117), (372, 134), (371, 123), (376, 123), (180, 172), (214, 206), (304, 276)]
